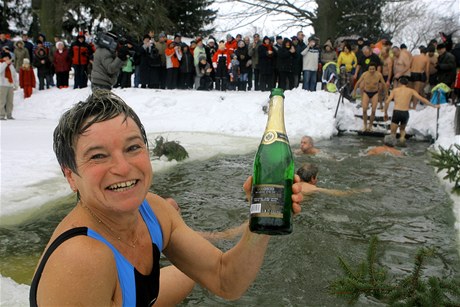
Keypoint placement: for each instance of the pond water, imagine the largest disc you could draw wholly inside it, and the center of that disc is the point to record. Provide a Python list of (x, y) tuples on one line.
[(407, 209)]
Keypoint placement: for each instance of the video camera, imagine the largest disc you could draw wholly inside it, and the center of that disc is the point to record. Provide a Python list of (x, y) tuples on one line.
[(106, 40)]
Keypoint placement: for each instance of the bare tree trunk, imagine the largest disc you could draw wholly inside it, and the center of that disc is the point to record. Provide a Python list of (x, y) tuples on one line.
[(325, 22), (50, 16)]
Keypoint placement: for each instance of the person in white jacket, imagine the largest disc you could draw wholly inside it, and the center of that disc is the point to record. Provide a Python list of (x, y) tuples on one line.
[(311, 56), (8, 83)]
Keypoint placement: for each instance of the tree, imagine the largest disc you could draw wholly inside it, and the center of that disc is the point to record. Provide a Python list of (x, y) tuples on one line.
[(14, 16)]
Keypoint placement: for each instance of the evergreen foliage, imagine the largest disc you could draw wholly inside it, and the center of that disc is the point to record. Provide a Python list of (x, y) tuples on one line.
[(412, 290), (16, 11), (171, 149), (449, 160)]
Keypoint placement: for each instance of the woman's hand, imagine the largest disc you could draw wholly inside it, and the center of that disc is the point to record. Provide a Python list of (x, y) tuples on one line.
[(297, 196)]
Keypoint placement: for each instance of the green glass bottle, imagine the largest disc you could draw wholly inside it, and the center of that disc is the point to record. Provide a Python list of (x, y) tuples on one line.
[(271, 202)]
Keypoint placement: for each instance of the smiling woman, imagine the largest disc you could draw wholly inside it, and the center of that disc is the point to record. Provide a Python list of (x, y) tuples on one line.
[(110, 243)]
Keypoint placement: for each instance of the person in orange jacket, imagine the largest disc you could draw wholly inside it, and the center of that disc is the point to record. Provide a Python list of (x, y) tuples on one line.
[(26, 78), (173, 54)]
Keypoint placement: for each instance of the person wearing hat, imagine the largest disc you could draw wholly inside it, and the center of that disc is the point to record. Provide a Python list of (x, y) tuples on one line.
[(8, 83), (231, 44), (20, 53), (81, 54), (5, 42), (161, 46), (203, 73), (28, 45), (310, 61), (266, 64), (446, 66), (254, 54), (62, 65), (26, 78)]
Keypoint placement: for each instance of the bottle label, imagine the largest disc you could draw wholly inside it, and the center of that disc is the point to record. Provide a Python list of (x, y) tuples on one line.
[(273, 136), (267, 201)]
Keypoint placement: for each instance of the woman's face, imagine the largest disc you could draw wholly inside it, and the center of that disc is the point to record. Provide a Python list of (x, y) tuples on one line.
[(113, 165)]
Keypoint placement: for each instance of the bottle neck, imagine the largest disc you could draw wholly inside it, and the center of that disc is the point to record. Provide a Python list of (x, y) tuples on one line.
[(275, 120)]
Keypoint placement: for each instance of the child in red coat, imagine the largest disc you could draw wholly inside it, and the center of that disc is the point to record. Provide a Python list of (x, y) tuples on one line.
[(26, 78)]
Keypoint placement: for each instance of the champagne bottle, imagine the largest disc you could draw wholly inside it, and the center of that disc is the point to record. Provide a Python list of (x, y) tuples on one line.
[(271, 202)]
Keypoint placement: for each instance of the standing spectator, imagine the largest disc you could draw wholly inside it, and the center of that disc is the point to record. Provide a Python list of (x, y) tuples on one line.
[(43, 64), (107, 63), (211, 49), (242, 54), (26, 78), (234, 72), (310, 63), (446, 66), (200, 51), (128, 68), (277, 46), (48, 46), (5, 42), (62, 65), (328, 54), (433, 72), (456, 53), (347, 58), (8, 83), (80, 53), (266, 64), (298, 63), (287, 59), (254, 54), (231, 44), (173, 56), (187, 68), (161, 47), (20, 53), (221, 63), (149, 64), (28, 45)]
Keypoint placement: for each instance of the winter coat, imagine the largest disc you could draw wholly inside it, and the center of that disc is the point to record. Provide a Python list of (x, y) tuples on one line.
[(161, 46), (348, 59), (187, 63), (328, 56), (286, 60), (173, 57), (3, 79), (62, 61), (254, 54), (310, 58), (221, 62), (446, 69), (19, 55), (456, 53), (128, 67), (231, 46), (80, 53), (106, 67), (266, 60), (26, 77), (242, 54), (202, 69), (198, 52), (42, 61)]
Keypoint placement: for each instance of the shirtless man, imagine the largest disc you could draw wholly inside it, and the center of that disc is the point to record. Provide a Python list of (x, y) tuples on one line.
[(389, 142), (387, 71), (371, 79), (402, 97), (432, 71), (419, 75), (307, 147), (401, 65), (308, 174)]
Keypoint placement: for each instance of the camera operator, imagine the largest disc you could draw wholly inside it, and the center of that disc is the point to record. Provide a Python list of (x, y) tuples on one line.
[(108, 60)]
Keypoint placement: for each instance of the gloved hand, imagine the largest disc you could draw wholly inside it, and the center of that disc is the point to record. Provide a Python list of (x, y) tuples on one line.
[(123, 53)]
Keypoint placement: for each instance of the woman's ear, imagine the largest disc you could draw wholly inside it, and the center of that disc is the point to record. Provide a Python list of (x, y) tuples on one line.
[(68, 174)]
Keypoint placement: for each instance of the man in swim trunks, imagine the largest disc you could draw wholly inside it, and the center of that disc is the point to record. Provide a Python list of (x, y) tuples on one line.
[(420, 68), (402, 97), (401, 65), (371, 80)]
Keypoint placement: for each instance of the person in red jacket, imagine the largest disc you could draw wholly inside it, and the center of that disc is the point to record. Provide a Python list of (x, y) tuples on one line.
[(62, 65), (80, 53), (221, 63), (231, 44), (26, 78)]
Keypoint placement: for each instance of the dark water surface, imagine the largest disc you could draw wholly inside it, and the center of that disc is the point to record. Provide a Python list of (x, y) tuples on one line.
[(407, 209)]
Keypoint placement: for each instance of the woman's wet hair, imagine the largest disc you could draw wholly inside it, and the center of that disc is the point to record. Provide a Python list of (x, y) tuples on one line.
[(307, 172), (100, 106)]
